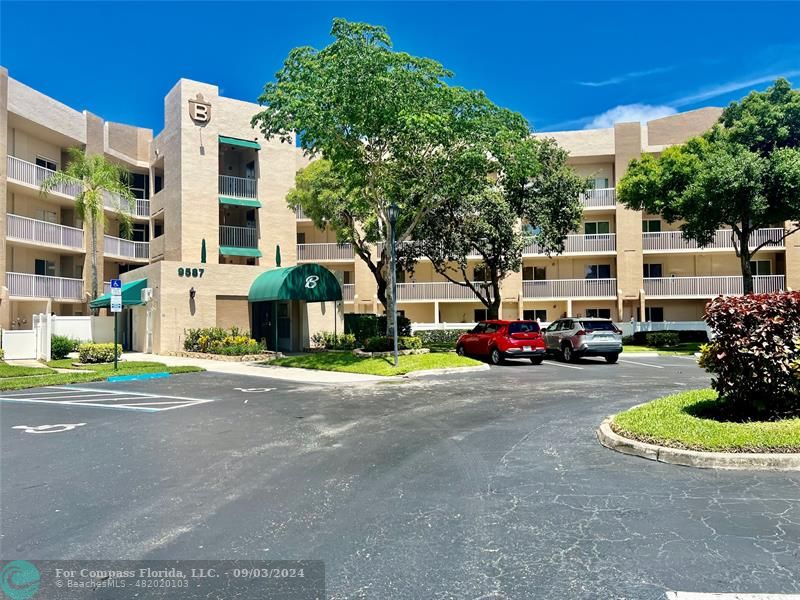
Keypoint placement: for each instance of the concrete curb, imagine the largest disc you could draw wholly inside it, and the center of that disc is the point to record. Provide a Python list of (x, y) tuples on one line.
[(693, 458), (639, 354), (445, 371)]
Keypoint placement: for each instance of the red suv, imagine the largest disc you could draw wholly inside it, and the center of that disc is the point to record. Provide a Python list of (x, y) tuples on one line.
[(503, 339)]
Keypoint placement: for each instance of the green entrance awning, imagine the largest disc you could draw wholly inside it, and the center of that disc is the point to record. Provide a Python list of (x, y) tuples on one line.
[(236, 251), (309, 282), (240, 201), (223, 139), (131, 295)]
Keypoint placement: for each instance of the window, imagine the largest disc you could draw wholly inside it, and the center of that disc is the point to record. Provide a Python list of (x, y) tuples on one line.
[(598, 313), (41, 161), (598, 183), (652, 270), (531, 230), (480, 273), (523, 327), (401, 276), (599, 325), (534, 273), (651, 226), (301, 237), (538, 314), (479, 328), (158, 227), (761, 267), (479, 314), (46, 215), (598, 271), (346, 277), (140, 185), (596, 227), (158, 184), (491, 328), (654, 314), (44, 267), (141, 232)]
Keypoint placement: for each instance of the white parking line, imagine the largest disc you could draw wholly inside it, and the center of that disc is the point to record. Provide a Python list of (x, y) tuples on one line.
[(631, 362), (734, 596), (113, 399), (558, 364)]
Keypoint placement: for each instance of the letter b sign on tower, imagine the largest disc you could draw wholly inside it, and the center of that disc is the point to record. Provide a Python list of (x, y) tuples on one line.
[(200, 110)]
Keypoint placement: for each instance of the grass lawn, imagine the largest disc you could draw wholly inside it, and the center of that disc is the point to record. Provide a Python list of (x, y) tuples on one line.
[(7, 370), (684, 349), (97, 372), (348, 363), (670, 421)]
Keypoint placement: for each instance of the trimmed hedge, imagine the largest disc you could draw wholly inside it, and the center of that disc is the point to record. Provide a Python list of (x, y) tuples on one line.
[(640, 337), (216, 340), (753, 353), (662, 339), (440, 336), (333, 341), (386, 344), (61, 345), (364, 326), (98, 353)]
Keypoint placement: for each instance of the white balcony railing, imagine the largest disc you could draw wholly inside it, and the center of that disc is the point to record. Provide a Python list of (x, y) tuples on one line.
[(581, 244), (348, 292), (238, 237), (570, 288), (300, 215), (115, 246), (324, 252), (709, 286), (600, 198), (674, 240), (142, 208), (32, 174), (237, 187), (27, 285), (435, 290), (43, 232)]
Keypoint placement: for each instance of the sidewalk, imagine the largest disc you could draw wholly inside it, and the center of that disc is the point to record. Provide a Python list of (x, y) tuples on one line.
[(251, 369)]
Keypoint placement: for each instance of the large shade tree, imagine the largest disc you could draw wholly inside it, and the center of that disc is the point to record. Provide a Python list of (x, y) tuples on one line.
[(743, 174), (389, 130), (533, 199), (98, 178)]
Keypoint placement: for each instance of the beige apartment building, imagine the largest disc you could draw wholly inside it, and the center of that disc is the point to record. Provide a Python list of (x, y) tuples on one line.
[(217, 245)]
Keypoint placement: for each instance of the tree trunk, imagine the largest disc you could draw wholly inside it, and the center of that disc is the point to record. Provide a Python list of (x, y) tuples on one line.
[(389, 275), (744, 257), (93, 225), (493, 309)]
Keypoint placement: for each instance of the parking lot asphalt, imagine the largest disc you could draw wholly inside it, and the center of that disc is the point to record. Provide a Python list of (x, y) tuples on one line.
[(482, 485)]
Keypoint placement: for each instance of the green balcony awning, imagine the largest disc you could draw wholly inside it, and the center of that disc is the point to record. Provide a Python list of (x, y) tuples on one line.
[(309, 282), (131, 295), (240, 201), (236, 251), (223, 139)]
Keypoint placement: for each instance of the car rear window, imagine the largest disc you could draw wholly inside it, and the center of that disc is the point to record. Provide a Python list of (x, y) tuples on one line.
[(523, 327), (598, 325)]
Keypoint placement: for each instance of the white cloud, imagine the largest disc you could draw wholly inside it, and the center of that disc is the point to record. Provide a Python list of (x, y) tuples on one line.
[(626, 113), (731, 86), (624, 77)]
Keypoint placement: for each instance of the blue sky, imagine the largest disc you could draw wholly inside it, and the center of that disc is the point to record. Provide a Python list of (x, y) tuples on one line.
[(565, 65)]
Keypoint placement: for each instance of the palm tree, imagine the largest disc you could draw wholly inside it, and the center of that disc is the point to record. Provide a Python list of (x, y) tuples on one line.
[(98, 177)]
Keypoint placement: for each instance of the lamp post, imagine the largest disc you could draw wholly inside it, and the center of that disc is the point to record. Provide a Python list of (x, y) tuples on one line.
[(393, 210)]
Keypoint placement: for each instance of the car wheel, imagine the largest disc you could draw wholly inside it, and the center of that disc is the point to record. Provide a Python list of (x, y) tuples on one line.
[(460, 350), (495, 357), (537, 360), (612, 358), (567, 354)]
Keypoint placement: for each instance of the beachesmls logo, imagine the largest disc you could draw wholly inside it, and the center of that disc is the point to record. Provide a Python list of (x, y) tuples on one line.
[(19, 580)]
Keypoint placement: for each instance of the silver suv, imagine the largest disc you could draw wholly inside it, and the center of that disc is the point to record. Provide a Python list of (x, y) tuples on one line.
[(574, 337)]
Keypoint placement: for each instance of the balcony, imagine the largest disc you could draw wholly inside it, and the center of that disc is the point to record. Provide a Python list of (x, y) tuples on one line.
[(580, 244), (348, 292), (709, 286), (238, 237), (436, 290), (300, 215), (143, 208), (27, 285), (34, 175), (673, 241), (599, 198), (126, 249), (570, 288), (34, 231), (324, 252), (237, 187)]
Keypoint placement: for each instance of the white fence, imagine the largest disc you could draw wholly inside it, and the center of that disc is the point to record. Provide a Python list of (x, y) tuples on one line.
[(708, 287), (86, 329), (324, 252), (581, 244), (437, 290), (674, 240), (115, 246), (600, 198), (27, 285), (32, 174), (238, 187), (629, 328), (238, 237), (18, 344), (570, 288), (43, 232), (348, 291), (34, 343)]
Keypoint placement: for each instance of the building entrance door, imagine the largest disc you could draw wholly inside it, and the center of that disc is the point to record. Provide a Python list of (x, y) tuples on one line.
[(284, 324)]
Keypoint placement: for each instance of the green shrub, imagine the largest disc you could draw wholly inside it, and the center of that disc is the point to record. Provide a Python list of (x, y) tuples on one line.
[(216, 340), (753, 353), (386, 344), (333, 341), (684, 336), (364, 326), (60, 346), (628, 340), (98, 353), (434, 337), (661, 339), (2, 354), (249, 347)]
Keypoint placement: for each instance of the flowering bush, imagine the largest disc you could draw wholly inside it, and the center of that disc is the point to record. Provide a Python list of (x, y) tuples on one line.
[(333, 341), (216, 340), (98, 353), (754, 355)]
